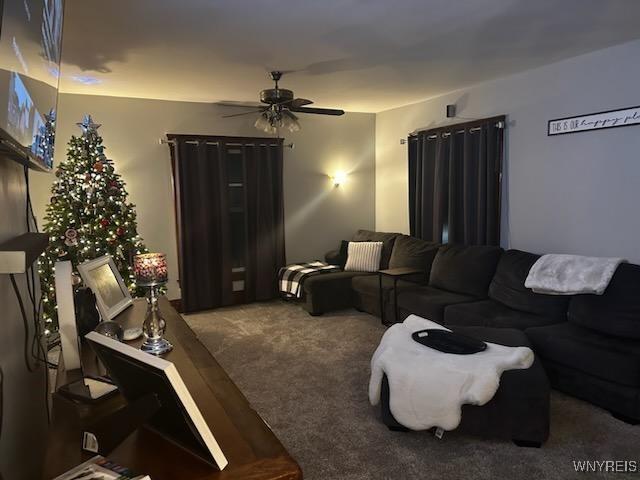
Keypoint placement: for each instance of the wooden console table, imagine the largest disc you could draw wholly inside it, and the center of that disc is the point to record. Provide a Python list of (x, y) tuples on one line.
[(252, 449)]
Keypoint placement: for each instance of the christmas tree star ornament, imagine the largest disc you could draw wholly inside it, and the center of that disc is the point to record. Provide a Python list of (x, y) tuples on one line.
[(88, 126), (51, 116)]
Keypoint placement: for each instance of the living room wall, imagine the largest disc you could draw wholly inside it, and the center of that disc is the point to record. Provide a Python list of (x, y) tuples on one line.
[(317, 215), (574, 193), (23, 414)]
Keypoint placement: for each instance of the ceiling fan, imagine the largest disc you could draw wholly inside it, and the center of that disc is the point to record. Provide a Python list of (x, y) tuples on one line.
[(279, 105)]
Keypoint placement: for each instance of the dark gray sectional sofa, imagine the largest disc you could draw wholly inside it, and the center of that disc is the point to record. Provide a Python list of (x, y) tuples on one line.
[(588, 344), (509, 303)]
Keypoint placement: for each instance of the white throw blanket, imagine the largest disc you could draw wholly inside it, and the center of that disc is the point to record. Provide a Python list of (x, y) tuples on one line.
[(428, 387), (571, 274)]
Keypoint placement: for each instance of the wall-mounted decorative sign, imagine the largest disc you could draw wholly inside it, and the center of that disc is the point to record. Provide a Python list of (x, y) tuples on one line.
[(595, 121)]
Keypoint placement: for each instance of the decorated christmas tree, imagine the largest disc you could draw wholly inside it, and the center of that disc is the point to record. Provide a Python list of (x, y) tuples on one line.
[(88, 216)]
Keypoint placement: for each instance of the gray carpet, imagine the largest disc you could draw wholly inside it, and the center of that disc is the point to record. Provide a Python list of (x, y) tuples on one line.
[(308, 378)]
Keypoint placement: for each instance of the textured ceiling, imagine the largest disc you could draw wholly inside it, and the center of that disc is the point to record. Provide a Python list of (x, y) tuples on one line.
[(360, 55)]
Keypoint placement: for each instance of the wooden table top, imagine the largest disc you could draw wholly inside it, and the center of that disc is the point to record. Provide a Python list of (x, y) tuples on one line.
[(400, 271), (252, 449)]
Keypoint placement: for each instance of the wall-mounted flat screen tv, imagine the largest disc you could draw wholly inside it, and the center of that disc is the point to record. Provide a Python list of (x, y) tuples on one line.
[(30, 49)]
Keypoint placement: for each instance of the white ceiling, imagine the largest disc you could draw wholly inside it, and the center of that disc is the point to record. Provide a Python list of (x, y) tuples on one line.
[(359, 55)]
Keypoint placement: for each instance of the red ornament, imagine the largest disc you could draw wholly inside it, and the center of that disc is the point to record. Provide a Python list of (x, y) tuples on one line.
[(98, 166), (119, 231), (104, 222), (87, 177)]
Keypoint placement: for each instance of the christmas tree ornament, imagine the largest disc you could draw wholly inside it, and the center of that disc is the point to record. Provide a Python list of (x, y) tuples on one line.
[(120, 231), (88, 126), (104, 222), (98, 166)]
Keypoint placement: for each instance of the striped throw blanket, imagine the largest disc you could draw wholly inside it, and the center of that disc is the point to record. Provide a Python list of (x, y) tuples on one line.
[(292, 277)]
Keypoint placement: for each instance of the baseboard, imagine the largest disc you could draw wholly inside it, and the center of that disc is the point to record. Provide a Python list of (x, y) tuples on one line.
[(177, 304)]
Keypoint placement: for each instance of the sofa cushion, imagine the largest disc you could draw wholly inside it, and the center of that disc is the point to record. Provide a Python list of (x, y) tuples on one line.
[(387, 240), (369, 284), (428, 302), (329, 291), (489, 313), (465, 269), (363, 257), (507, 287), (413, 252), (329, 282), (343, 253), (610, 358), (617, 311)]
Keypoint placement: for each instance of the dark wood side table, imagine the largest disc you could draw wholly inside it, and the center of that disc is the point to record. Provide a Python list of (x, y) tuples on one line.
[(395, 274), (253, 450)]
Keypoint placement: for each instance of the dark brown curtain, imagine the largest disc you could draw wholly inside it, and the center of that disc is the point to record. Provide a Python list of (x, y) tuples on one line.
[(208, 244), (454, 183), (265, 220)]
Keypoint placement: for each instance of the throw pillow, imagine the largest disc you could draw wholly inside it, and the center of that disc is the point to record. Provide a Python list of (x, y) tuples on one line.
[(363, 257), (343, 253)]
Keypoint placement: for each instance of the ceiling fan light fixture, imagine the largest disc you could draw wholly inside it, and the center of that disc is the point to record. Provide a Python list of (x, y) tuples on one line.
[(290, 121), (264, 123), (280, 103)]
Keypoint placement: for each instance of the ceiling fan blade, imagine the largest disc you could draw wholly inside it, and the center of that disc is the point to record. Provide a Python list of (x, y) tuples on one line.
[(231, 103), (289, 114), (299, 102), (240, 114), (318, 111)]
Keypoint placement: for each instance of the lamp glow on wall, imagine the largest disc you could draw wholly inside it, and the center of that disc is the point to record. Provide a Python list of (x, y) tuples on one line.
[(339, 178)]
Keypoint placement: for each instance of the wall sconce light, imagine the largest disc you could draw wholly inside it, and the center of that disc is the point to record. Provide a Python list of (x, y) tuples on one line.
[(339, 178)]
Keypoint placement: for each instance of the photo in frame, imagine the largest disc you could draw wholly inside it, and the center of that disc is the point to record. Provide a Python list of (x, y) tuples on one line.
[(103, 278)]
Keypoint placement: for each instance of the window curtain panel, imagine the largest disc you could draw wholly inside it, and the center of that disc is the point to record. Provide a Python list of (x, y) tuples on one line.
[(203, 221), (265, 220), (454, 183)]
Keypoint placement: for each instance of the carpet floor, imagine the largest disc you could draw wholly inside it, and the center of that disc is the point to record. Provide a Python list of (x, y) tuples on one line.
[(308, 378)]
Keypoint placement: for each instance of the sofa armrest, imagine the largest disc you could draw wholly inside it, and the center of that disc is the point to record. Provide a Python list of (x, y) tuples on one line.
[(333, 257)]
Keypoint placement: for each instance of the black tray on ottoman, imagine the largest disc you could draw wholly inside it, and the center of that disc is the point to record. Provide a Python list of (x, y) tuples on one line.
[(519, 411)]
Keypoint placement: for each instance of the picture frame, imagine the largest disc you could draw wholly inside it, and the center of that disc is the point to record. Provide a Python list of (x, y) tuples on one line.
[(103, 278), (138, 374), (620, 117)]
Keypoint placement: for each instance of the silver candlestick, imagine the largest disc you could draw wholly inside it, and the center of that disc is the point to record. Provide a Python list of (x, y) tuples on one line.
[(154, 324), (151, 272)]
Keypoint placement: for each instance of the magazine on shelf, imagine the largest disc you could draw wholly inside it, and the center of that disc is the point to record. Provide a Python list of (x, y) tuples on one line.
[(100, 468)]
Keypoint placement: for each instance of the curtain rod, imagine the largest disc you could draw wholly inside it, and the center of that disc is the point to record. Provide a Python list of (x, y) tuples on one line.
[(414, 134), (164, 141)]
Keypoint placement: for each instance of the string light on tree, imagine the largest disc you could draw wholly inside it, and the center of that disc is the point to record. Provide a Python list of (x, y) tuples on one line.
[(88, 216)]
